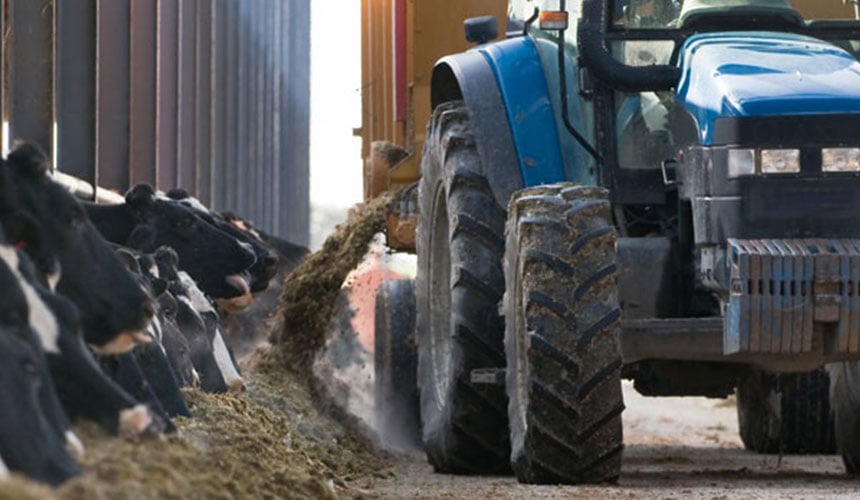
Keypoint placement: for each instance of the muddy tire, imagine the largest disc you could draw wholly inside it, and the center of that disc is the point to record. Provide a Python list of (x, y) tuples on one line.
[(787, 413), (396, 365), (460, 245), (562, 336), (845, 401)]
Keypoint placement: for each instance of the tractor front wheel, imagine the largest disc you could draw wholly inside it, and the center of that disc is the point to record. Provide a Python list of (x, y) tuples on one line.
[(787, 413), (562, 336), (845, 401)]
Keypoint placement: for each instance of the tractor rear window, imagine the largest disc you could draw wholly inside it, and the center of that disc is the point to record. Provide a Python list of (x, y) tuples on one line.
[(668, 14)]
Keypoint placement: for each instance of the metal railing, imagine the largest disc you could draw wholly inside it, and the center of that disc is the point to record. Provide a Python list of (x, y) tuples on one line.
[(208, 95)]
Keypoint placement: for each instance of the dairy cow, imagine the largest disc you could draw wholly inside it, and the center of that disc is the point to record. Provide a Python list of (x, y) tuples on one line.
[(29, 442), (84, 389), (165, 328), (114, 310), (146, 373), (245, 330), (44, 333), (198, 321), (266, 265), (145, 222)]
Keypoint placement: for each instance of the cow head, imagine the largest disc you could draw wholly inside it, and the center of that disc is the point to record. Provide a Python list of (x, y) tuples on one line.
[(266, 265), (214, 259), (114, 309), (28, 442)]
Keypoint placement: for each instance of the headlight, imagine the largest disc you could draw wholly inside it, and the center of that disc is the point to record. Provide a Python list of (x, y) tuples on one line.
[(780, 161), (741, 162), (840, 159)]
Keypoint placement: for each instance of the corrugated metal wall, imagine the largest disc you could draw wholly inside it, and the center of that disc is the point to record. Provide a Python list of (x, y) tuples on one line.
[(208, 95)]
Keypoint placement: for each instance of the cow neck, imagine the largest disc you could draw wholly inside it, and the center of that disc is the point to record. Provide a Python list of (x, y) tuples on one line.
[(114, 222)]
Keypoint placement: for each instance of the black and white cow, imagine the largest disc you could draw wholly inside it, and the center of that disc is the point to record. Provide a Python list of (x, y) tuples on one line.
[(198, 321), (49, 224), (114, 310), (145, 222), (44, 338), (266, 265), (30, 442), (164, 326), (246, 329)]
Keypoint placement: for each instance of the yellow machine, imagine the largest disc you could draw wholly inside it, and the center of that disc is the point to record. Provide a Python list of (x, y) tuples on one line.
[(401, 41)]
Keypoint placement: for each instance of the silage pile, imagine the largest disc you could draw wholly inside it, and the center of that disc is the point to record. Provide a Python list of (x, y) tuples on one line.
[(281, 439)]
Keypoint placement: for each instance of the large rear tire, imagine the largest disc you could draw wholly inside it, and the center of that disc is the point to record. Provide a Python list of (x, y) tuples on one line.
[(396, 365), (562, 336), (845, 401), (458, 288), (788, 413)]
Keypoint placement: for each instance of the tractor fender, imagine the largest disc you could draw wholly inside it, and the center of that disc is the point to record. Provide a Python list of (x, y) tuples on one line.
[(504, 88)]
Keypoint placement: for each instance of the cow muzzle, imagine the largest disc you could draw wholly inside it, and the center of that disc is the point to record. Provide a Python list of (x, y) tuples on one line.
[(123, 343)]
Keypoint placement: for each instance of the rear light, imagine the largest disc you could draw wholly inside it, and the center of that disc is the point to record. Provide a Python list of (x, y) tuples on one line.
[(840, 160), (553, 20), (780, 161), (741, 162)]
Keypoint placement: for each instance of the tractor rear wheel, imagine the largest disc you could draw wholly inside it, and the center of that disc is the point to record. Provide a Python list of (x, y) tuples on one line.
[(562, 336), (845, 401), (788, 413), (396, 365), (460, 245)]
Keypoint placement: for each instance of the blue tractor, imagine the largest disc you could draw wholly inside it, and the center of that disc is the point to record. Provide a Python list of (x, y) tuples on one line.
[(661, 190)]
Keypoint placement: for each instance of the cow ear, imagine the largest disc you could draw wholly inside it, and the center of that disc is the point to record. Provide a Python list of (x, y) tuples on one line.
[(167, 255), (167, 303), (178, 194), (128, 259), (158, 287), (142, 238), (140, 198), (28, 159)]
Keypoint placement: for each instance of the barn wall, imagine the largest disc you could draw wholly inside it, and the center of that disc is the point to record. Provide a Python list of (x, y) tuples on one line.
[(208, 95)]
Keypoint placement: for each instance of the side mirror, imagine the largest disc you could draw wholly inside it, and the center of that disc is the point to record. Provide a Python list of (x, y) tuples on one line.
[(481, 29)]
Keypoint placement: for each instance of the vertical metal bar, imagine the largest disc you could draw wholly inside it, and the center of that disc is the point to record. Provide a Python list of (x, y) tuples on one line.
[(186, 161), (266, 163), (277, 69), (74, 88), (203, 102), (242, 136), (166, 118), (142, 105), (254, 109), (299, 102), (30, 57), (284, 122), (219, 106), (234, 73), (112, 93)]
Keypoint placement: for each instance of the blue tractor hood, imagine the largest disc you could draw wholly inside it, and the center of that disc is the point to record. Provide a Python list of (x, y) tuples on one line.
[(763, 73)]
